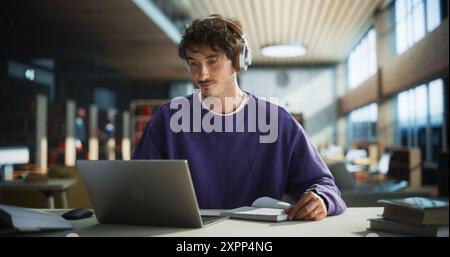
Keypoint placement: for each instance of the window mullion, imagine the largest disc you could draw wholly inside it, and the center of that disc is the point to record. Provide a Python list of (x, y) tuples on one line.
[(428, 146)]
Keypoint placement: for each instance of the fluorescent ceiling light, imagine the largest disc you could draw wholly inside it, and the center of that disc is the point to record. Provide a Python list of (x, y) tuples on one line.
[(282, 51), (157, 16)]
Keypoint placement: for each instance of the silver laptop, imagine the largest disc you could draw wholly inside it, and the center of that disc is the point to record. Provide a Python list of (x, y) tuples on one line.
[(143, 192)]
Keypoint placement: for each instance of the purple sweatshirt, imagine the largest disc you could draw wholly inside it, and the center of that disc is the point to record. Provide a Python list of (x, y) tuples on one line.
[(232, 169)]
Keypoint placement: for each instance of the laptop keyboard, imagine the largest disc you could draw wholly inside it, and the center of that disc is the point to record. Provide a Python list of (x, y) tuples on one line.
[(208, 219)]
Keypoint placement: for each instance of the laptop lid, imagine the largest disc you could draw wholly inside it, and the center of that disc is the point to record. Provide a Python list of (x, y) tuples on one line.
[(141, 192)]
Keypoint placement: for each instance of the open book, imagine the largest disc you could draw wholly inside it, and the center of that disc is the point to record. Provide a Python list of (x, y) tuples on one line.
[(264, 208)]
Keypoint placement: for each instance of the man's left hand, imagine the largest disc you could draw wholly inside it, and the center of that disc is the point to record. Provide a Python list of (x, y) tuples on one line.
[(309, 207)]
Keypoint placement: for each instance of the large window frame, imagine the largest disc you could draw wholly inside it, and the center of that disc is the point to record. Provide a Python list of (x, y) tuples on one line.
[(419, 117), (413, 19), (362, 60), (362, 124)]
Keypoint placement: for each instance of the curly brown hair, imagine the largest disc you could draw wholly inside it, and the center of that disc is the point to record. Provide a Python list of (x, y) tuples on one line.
[(212, 31)]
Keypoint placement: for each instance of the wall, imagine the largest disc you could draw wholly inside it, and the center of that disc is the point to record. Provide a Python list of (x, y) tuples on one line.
[(364, 94), (341, 80), (310, 91), (424, 61)]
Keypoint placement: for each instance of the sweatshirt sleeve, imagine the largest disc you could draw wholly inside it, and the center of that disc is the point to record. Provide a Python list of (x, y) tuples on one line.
[(151, 144), (308, 172)]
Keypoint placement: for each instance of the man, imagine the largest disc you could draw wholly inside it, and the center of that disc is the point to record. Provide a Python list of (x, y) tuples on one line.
[(232, 165)]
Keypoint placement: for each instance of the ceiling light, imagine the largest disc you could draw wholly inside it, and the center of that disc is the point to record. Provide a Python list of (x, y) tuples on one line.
[(282, 51)]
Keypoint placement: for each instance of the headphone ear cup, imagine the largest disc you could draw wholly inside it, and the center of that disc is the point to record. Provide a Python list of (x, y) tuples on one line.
[(245, 55), (248, 57)]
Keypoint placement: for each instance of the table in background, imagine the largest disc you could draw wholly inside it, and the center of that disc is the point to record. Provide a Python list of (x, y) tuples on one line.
[(48, 188)]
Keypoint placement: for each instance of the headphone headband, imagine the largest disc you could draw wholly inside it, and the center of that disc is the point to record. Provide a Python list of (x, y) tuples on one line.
[(244, 58), (229, 23)]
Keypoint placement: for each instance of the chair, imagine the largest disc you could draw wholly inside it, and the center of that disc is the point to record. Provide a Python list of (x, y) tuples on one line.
[(383, 164), (343, 179), (352, 156)]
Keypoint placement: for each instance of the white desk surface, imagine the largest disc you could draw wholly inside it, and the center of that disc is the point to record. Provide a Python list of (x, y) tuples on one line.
[(350, 224)]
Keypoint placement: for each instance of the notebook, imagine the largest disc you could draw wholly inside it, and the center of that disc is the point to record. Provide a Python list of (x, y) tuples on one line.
[(264, 209)]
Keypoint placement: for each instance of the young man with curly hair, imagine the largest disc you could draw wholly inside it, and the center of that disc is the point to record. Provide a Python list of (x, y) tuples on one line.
[(232, 165)]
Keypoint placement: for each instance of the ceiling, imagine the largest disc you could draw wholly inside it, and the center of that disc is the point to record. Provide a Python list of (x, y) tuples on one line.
[(119, 35), (115, 33), (328, 28)]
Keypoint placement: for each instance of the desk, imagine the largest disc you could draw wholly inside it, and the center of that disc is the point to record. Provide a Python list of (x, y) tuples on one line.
[(48, 188), (350, 224)]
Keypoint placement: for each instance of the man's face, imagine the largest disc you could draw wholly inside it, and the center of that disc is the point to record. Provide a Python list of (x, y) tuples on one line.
[(211, 70)]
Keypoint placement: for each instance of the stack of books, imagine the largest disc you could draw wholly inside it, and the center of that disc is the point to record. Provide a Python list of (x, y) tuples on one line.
[(415, 216)]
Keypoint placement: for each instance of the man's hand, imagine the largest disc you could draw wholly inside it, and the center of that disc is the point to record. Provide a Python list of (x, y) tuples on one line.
[(309, 207)]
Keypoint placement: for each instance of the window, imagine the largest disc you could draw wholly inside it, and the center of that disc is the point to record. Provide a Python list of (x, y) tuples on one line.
[(413, 19), (436, 117), (362, 61), (420, 119), (362, 123), (433, 14)]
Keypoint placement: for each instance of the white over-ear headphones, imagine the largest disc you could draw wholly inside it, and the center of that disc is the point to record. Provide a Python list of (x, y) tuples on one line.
[(244, 58)]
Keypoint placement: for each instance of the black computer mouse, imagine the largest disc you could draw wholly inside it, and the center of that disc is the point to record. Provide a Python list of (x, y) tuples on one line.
[(78, 214)]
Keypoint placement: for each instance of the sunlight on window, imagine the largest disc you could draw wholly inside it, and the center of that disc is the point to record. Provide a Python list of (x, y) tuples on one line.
[(436, 99), (411, 109), (413, 19), (363, 123), (418, 23), (420, 113), (373, 112), (372, 48), (362, 61), (421, 105), (433, 14), (403, 113)]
